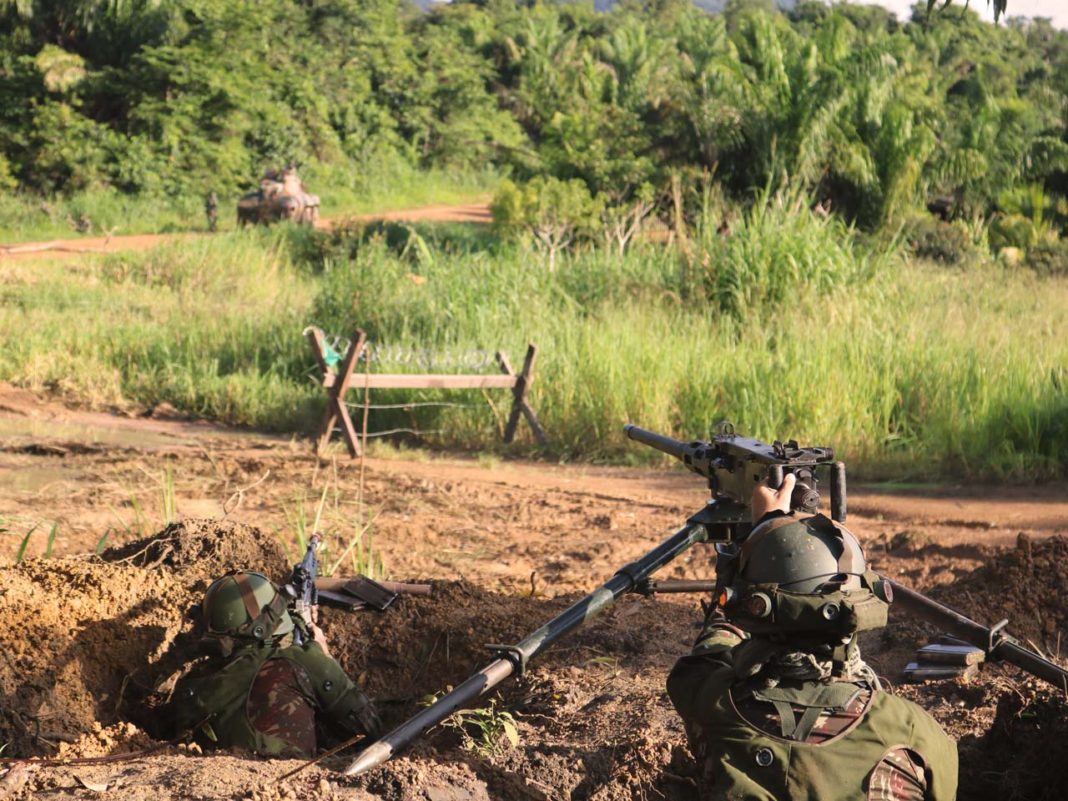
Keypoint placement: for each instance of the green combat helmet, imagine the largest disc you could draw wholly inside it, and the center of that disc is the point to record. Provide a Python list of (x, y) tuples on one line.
[(244, 605), (802, 581)]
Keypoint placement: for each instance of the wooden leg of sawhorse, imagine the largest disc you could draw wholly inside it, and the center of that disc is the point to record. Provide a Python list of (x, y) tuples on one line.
[(520, 405), (335, 406)]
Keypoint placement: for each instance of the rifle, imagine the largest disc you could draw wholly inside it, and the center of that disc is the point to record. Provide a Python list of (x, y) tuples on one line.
[(307, 589)]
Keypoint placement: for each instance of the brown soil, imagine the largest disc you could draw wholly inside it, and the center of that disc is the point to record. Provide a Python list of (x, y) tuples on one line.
[(23, 251), (507, 545)]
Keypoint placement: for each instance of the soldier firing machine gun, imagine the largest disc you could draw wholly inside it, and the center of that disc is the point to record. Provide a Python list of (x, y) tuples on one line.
[(733, 466)]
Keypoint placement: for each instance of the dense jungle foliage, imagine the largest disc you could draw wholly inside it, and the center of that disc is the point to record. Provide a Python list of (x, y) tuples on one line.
[(785, 158), (616, 115)]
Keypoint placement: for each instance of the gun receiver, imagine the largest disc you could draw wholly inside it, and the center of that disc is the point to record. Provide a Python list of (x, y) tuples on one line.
[(302, 585), (734, 465)]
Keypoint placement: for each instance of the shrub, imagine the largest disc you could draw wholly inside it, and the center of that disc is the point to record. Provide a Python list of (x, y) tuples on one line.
[(552, 212), (777, 250), (944, 242), (1011, 231), (1049, 257)]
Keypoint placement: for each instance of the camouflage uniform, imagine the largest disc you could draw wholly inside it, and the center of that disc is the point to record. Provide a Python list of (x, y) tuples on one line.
[(755, 743), (777, 716), (266, 694), (211, 210)]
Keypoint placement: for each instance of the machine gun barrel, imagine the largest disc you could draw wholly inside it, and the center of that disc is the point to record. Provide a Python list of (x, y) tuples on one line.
[(512, 659), (669, 445), (992, 640)]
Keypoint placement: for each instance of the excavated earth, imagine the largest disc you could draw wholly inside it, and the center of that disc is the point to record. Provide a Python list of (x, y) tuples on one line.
[(92, 633)]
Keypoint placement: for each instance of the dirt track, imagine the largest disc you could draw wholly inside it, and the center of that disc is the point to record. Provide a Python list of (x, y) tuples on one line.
[(508, 544), (23, 251)]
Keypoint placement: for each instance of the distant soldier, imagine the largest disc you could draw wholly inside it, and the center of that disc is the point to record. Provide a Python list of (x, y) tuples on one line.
[(83, 225), (260, 692), (291, 183), (271, 182), (211, 210), (777, 702)]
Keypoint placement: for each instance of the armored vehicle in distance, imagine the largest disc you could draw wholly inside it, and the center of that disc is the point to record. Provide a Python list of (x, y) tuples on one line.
[(281, 196)]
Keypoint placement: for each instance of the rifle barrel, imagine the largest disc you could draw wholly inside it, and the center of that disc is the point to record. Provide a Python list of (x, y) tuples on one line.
[(995, 645), (515, 657)]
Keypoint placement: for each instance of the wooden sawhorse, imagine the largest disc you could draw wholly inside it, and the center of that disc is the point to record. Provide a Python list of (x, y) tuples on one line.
[(338, 383)]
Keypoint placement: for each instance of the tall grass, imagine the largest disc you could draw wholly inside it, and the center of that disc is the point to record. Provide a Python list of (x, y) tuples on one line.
[(210, 326), (383, 184), (908, 370)]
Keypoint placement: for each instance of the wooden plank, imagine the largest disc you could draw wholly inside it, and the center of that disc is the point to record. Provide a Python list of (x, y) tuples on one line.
[(420, 381), (337, 384)]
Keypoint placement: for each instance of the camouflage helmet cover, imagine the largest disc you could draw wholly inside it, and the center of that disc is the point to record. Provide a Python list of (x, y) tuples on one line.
[(803, 576), (245, 604), (803, 554)]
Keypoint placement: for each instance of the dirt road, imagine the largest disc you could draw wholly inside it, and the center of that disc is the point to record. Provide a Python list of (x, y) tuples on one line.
[(467, 213), (507, 545)]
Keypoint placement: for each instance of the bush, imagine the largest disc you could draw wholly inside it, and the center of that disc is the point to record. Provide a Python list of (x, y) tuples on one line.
[(944, 242), (1011, 231), (776, 251), (1049, 258)]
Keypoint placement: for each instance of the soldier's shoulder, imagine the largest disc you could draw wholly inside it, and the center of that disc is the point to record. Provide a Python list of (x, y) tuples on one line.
[(311, 657), (901, 711)]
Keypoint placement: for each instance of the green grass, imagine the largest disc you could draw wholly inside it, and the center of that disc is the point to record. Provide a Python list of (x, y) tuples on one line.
[(910, 371), (381, 186)]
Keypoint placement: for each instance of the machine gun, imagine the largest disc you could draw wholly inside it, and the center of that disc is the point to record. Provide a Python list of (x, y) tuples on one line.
[(733, 465)]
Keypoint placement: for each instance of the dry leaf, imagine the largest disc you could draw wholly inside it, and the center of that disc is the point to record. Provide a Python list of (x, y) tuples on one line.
[(94, 786)]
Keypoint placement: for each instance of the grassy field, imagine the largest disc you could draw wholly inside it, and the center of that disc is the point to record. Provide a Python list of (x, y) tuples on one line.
[(379, 187), (910, 371)]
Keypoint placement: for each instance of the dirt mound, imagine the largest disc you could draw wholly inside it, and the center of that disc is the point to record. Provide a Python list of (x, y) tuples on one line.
[(591, 711), (1024, 755), (423, 644), (76, 632), (84, 636), (204, 549), (1025, 584)]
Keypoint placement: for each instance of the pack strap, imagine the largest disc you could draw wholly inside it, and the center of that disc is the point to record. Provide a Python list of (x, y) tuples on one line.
[(787, 718), (807, 723)]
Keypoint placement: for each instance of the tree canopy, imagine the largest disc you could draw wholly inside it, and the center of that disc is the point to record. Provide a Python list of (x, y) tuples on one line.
[(873, 117)]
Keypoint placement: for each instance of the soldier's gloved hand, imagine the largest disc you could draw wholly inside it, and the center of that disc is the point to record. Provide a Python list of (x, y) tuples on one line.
[(766, 499), (369, 720)]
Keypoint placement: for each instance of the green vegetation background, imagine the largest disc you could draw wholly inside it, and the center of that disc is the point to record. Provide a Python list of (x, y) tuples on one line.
[(791, 276), (911, 370)]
